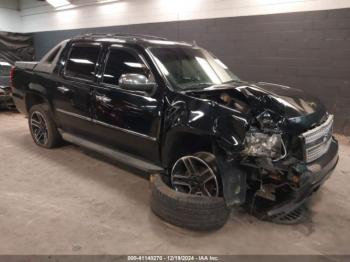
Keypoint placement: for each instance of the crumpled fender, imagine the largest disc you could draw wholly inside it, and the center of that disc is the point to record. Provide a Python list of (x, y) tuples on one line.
[(234, 181), (225, 127), (207, 117)]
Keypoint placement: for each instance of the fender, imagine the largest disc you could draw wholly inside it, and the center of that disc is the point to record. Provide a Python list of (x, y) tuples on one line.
[(234, 181), (205, 117), (204, 122), (38, 93)]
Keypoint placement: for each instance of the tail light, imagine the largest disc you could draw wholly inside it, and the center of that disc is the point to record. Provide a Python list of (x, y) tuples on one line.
[(12, 75)]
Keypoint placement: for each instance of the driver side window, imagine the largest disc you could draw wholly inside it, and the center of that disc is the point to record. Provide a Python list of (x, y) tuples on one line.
[(122, 61)]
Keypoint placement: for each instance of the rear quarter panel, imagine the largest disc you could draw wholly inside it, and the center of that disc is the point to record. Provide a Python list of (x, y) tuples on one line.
[(27, 83), (20, 84)]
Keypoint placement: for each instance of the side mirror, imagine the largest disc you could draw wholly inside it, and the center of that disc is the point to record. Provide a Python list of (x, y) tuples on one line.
[(136, 82)]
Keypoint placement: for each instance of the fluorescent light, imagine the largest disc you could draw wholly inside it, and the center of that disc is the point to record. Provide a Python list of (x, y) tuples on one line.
[(220, 63), (64, 7), (208, 69), (4, 64), (105, 1), (81, 61), (58, 3), (132, 64)]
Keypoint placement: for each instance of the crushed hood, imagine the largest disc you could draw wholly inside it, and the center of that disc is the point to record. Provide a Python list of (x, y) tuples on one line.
[(300, 110), (292, 102)]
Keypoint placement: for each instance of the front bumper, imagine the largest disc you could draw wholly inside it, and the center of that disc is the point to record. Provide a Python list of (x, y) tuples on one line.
[(317, 173)]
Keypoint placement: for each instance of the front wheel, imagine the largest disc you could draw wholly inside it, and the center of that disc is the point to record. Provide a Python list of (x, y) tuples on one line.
[(194, 201), (197, 175), (42, 127)]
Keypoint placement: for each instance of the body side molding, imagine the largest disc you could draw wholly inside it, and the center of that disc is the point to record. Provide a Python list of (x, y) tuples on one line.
[(106, 125), (111, 153)]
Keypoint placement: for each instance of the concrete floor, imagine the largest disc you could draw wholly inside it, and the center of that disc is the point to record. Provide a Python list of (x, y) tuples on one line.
[(67, 201)]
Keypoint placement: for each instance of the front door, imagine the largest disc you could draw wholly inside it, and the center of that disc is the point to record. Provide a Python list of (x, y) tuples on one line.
[(127, 120)]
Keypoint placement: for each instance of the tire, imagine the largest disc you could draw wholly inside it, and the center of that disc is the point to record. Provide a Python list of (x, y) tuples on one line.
[(193, 212), (53, 138)]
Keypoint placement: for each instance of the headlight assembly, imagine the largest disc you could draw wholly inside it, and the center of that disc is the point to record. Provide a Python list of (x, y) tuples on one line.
[(263, 145)]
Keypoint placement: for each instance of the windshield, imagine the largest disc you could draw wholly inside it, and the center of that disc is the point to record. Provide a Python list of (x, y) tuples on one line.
[(191, 67)]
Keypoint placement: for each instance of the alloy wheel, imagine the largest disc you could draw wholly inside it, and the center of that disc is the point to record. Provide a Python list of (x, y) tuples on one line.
[(39, 128), (193, 175)]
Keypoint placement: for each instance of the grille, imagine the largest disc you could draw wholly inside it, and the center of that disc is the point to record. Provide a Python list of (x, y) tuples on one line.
[(318, 140)]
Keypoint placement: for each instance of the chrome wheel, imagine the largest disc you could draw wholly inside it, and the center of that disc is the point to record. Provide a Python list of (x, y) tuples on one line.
[(39, 128), (193, 175)]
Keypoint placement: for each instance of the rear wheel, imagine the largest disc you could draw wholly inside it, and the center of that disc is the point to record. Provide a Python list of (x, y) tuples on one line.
[(42, 127)]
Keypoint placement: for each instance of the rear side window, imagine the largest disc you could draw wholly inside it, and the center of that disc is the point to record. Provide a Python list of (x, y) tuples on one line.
[(82, 61), (122, 61)]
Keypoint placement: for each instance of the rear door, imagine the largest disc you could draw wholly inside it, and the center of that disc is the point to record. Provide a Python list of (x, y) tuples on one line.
[(73, 95), (127, 120)]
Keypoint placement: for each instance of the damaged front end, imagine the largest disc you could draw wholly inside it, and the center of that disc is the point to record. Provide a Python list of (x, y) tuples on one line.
[(285, 153), (284, 169), (273, 147)]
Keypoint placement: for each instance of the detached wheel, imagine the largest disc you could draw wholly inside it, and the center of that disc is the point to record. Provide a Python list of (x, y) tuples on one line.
[(194, 203), (42, 127)]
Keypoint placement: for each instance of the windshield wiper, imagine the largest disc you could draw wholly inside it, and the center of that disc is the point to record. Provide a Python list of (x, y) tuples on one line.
[(235, 81), (203, 86), (197, 86)]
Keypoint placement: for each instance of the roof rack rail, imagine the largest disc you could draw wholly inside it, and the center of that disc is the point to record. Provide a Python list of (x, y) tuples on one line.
[(120, 35)]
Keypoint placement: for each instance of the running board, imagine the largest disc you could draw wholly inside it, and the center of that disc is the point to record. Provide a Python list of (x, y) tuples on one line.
[(111, 153)]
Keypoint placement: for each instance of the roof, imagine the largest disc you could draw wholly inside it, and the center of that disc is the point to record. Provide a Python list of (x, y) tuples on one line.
[(148, 40)]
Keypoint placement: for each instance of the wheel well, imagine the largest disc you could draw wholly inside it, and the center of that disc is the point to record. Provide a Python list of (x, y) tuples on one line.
[(185, 143), (32, 100)]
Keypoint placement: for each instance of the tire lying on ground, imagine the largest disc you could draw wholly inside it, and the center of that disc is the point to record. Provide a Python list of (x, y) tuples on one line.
[(188, 211)]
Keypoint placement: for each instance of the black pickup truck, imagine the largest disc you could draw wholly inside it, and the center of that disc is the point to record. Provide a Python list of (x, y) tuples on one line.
[(174, 108)]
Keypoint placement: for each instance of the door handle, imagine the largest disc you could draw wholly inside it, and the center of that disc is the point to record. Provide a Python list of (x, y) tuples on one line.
[(63, 89), (103, 99)]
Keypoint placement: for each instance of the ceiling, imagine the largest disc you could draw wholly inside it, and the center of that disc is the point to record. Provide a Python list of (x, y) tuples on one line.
[(21, 5)]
